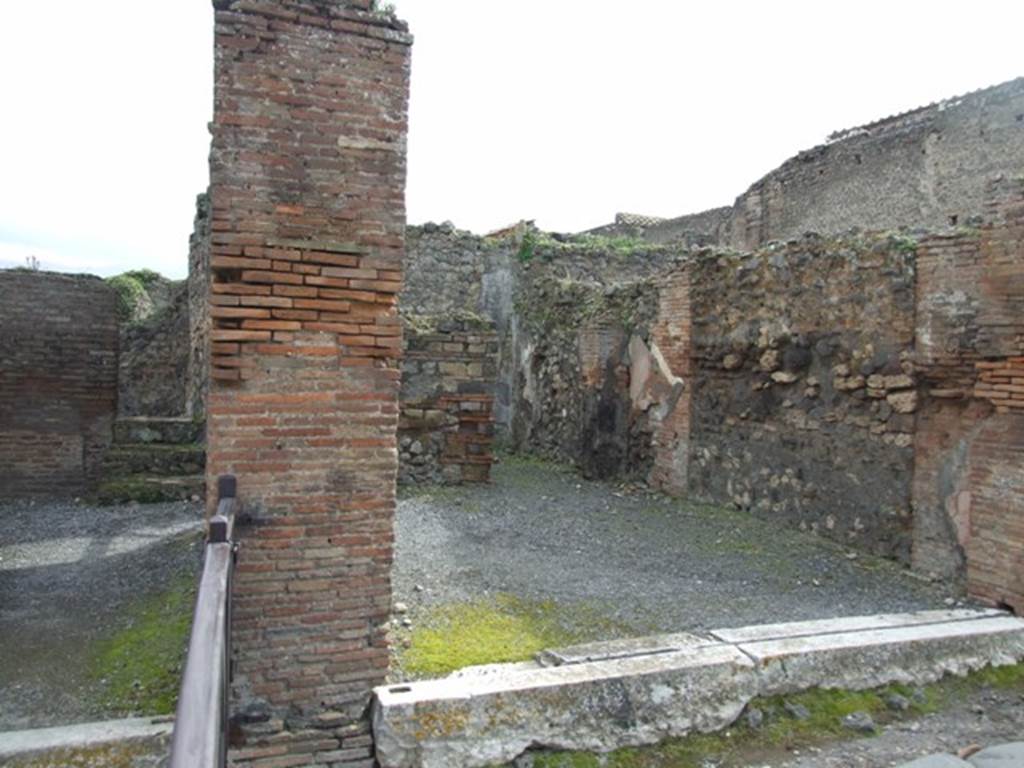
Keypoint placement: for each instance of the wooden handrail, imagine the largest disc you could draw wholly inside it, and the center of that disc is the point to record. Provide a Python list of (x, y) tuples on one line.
[(201, 724)]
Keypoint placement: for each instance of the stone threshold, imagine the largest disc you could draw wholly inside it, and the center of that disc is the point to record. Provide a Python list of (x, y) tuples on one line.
[(81, 735), (602, 696)]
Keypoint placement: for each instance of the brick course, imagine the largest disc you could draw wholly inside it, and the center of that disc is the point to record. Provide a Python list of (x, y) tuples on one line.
[(306, 250), (446, 428), (969, 477), (58, 381)]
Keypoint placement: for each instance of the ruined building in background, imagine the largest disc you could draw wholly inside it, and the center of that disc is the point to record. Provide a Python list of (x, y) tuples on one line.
[(926, 169)]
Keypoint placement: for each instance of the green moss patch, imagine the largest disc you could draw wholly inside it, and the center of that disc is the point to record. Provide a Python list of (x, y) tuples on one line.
[(118, 755), (138, 488), (139, 667), (503, 629)]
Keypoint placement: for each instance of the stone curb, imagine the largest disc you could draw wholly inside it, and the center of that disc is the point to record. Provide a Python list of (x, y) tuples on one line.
[(14, 743), (602, 696)]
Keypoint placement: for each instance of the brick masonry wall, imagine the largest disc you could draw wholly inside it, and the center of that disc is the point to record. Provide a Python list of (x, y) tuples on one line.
[(307, 242), (969, 478), (58, 381), (446, 428), (673, 339)]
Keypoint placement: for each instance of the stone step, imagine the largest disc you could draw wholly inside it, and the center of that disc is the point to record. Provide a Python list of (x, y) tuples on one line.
[(603, 696), (144, 429), (160, 459), (151, 489)]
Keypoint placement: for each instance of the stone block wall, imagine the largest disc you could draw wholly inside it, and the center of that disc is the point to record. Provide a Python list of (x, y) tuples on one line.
[(58, 381), (307, 230), (446, 427)]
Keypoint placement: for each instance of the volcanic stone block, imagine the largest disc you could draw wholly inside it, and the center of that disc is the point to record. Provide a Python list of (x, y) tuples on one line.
[(598, 706)]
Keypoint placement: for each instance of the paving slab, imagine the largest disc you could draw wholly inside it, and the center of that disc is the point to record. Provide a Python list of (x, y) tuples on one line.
[(850, 624), (14, 743), (937, 761), (1002, 756), (619, 649), (921, 653)]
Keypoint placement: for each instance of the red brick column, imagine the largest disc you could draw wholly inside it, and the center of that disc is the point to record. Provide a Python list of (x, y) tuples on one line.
[(969, 446), (672, 339), (307, 242)]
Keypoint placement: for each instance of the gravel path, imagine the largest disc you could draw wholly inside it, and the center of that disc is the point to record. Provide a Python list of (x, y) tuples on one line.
[(646, 562), (66, 572), (985, 718)]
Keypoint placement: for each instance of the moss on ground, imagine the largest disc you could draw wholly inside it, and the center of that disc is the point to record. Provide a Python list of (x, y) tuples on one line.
[(501, 630), (138, 488), (783, 731), (139, 667), (118, 755)]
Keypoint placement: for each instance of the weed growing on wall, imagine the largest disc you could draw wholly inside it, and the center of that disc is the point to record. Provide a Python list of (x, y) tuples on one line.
[(133, 291)]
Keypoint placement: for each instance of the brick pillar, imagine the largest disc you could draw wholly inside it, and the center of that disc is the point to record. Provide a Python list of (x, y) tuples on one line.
[(672, 341), (307, 242), (969, 447)]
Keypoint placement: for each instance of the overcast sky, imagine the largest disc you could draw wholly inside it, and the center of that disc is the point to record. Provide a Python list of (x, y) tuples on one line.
[(563, 111)]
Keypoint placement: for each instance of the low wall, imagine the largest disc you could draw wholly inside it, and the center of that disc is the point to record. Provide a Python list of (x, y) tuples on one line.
[(446, 423), (58, 381)]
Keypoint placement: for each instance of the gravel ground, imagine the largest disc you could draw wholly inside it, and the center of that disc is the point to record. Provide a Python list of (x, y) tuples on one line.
[(646, 562), (985, 718), (67, 570)]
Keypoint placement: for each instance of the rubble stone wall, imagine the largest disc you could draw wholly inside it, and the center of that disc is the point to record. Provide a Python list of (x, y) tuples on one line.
[(571, 373), (803, 394), (198, 382), (58, 381), (154, 361), (925, 169)]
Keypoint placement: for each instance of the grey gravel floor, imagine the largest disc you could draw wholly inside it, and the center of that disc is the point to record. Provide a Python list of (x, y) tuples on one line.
[(646, 562), (66, 572), (986, 718)]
